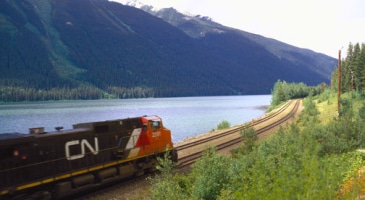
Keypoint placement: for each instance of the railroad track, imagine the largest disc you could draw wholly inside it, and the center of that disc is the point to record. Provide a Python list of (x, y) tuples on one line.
[(120, 190), (189, 159)]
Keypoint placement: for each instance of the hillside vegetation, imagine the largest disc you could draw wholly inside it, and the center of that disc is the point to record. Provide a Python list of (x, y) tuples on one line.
[(92, 49), (314, 157)]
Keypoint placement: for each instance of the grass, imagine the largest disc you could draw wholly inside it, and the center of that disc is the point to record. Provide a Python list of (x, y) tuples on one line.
[(329, 108)]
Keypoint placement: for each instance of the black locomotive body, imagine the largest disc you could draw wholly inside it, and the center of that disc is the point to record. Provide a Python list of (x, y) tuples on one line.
[(64, 162)]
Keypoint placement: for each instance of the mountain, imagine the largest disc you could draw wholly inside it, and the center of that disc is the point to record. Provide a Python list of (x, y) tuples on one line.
[(199, 26), (65, 49)]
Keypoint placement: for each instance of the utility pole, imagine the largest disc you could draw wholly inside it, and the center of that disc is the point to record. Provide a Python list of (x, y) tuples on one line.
[(339, 81)]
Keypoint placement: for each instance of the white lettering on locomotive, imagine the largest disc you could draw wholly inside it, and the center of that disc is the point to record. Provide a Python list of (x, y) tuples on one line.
[(84, 143)]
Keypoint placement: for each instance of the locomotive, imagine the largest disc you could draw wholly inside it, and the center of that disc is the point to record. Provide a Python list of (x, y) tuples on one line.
[(57, 164)]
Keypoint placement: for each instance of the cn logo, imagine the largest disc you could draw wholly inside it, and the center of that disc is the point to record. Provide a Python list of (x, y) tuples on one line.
[(82, 144)]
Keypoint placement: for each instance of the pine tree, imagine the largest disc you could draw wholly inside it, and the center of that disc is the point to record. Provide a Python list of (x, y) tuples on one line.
[(362, 66), (356, 63)]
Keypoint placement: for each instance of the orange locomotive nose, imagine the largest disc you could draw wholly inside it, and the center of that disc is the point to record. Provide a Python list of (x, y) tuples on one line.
[(154, 137)]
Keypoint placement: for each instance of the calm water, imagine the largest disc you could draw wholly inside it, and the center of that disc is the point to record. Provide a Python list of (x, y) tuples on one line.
[(184, 116)]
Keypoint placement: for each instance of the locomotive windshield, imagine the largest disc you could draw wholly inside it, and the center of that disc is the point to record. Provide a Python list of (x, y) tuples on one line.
[(154, 125)]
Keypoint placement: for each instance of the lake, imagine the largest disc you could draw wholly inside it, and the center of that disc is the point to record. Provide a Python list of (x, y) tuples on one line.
[(184, 116)]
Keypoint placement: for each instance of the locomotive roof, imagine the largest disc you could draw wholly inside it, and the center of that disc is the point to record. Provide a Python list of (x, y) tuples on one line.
[(152, 118), (17, 138), (12, 138), (8, 139), (4, 136)]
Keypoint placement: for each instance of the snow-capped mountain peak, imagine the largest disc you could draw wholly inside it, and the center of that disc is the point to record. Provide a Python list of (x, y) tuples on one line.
[(136, 4)]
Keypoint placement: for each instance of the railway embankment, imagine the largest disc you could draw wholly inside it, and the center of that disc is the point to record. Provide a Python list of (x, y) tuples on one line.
[(191, 148)]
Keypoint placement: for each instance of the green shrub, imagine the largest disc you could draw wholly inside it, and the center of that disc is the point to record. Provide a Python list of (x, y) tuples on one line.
[(210, 175), (324, 96), (167, 185), (362, 112), (310, 113), (249, 139), (223, 125)]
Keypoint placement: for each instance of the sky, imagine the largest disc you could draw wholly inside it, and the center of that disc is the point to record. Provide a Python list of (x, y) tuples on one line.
[(324, 26)]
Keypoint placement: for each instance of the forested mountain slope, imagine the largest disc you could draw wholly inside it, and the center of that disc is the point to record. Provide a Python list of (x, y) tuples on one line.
[(66, 49)]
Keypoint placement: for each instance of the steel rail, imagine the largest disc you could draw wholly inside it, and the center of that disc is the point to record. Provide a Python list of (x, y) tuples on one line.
[(187, 160), (234, 130)]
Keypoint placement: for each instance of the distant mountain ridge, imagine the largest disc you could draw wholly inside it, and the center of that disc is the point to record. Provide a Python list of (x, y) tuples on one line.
[(199, 26), (127, 52)]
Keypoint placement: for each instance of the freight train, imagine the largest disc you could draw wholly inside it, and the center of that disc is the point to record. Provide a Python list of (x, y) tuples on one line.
[(57, 164)]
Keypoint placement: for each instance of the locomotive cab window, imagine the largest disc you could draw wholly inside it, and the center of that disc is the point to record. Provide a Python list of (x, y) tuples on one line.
[(154, 125)]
